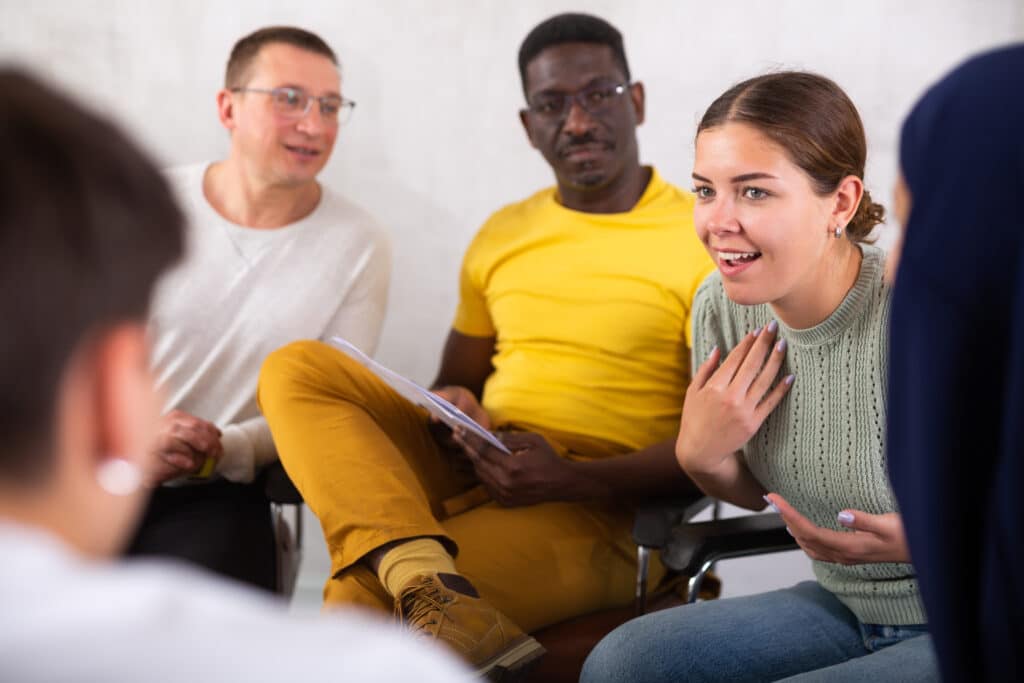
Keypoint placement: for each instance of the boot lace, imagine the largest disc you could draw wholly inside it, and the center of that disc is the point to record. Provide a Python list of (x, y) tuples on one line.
[(422, 607)]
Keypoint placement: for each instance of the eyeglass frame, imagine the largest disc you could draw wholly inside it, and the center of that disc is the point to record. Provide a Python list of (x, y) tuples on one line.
[(619, 89), (321, 100)]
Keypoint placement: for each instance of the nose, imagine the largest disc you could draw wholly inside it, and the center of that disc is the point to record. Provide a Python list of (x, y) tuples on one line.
[(313, 122), (718, 216), (577, 120)]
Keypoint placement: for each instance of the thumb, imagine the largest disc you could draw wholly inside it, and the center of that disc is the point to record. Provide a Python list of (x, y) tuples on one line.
[(858, 520)]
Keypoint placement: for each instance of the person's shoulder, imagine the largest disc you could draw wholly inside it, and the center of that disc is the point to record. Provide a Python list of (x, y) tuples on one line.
[(354, 645), (344, 217), (164, 615), (513, 222), (664, 192), (515, 212)]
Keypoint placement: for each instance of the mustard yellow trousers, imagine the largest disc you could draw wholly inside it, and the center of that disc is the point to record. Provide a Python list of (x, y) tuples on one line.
[(368, 466)]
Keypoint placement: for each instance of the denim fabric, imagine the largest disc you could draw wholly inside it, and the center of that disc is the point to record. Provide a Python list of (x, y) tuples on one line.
[(802, 633)]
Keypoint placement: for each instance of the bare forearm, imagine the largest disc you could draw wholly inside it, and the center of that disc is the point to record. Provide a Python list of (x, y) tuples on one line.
[(730, 480), (635, 476), (466, 362)]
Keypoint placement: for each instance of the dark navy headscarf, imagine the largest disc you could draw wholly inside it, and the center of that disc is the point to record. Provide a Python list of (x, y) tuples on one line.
[(956, 380)]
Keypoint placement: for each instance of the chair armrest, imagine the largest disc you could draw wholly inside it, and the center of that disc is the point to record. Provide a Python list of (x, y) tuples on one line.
[(654, 521), (694, 545), (278, 487)]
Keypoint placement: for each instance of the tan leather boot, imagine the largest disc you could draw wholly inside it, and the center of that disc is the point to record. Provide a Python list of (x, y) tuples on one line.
[(448, 608)]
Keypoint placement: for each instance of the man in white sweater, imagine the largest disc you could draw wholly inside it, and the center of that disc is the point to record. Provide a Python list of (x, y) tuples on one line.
[(271, 256)]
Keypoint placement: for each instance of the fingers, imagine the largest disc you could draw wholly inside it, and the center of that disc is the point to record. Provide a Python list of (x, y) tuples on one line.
[(774, 397), (180, 461), (753, 365), (470, 443), (521, 441), (199, 434), (887, 525), (796, 522), (463, 399), (200, 437), (725, 373), (706, 369), (840, 547), (174, 459), (763, 382), (476, 447)]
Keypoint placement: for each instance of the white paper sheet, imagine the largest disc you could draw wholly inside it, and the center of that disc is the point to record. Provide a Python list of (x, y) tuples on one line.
[(420, 396)]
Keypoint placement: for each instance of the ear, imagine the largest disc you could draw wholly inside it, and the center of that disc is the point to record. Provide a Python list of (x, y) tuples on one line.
[(524, 118), (226, 108), (636, 93), (126, 403), (847, 199)]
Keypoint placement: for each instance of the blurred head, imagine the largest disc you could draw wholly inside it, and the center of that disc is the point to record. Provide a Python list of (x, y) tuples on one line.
[(274, 144), (973, 116), (582, 110), (779, 175), (86, 225)]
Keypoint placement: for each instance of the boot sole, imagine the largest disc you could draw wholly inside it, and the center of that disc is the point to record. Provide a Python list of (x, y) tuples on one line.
[(514, 663)]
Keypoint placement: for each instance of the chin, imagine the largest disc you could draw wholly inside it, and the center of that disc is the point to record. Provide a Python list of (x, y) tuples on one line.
[(746, 294), (587, 180)]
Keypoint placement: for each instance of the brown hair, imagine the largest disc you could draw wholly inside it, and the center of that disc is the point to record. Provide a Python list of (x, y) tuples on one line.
[(87, 223), (246, 49), (813, 120)]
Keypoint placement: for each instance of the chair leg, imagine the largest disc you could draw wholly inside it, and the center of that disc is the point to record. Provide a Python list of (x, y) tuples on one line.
[(695, 582), (643, 559)]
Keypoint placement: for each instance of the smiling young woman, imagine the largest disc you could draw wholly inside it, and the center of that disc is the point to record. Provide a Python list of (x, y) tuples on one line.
[(787, 402)]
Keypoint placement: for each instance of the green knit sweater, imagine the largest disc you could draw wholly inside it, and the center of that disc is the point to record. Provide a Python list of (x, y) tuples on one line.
[(823, 447)]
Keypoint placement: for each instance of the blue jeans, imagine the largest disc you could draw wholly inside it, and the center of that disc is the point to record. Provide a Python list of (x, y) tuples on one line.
[(801, 634)]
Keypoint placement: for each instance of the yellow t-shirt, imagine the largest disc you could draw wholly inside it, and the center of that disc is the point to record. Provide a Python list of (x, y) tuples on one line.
[(591, 314)]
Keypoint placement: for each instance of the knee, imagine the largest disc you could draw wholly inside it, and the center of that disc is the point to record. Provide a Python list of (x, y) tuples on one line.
[(294, 365), (619, 656)]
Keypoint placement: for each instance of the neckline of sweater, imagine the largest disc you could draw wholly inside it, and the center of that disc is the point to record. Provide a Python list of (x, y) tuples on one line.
[(848, 311)]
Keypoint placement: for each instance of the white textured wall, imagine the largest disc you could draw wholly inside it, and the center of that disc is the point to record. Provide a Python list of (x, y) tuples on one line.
[(435, 143)]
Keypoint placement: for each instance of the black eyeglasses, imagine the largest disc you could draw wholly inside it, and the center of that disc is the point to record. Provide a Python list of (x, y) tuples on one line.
[(594, 99), (294, 103)]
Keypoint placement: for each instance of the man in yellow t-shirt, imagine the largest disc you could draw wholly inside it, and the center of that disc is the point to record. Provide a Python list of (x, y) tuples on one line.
[(571, 338)]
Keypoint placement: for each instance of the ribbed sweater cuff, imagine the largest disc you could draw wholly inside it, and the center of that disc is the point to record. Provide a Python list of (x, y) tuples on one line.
[(889, 610)]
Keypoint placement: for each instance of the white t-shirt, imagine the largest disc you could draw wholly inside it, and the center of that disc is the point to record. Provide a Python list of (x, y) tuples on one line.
[(239, 293), (63, 618)]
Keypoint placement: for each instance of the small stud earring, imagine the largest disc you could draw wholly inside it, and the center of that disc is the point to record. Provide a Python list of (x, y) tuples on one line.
[(119, 477), (838, 232)]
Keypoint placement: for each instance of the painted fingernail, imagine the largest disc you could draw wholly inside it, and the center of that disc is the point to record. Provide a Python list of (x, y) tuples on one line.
[(773, 327), (713, 349), (771, 504), (789, 379), (781, 346), (756, 332), (845, 518)]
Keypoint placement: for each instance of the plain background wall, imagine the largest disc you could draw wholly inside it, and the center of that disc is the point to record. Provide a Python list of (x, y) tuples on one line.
[(435, 143)]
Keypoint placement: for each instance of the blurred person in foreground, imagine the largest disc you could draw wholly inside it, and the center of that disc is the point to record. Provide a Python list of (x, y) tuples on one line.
[(87, 224), (956, 380)]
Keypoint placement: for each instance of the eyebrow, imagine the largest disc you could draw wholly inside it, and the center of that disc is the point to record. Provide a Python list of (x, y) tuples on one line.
[(742, 178)]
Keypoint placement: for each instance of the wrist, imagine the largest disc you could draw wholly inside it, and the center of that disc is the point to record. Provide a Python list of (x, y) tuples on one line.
[(583, 484)]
